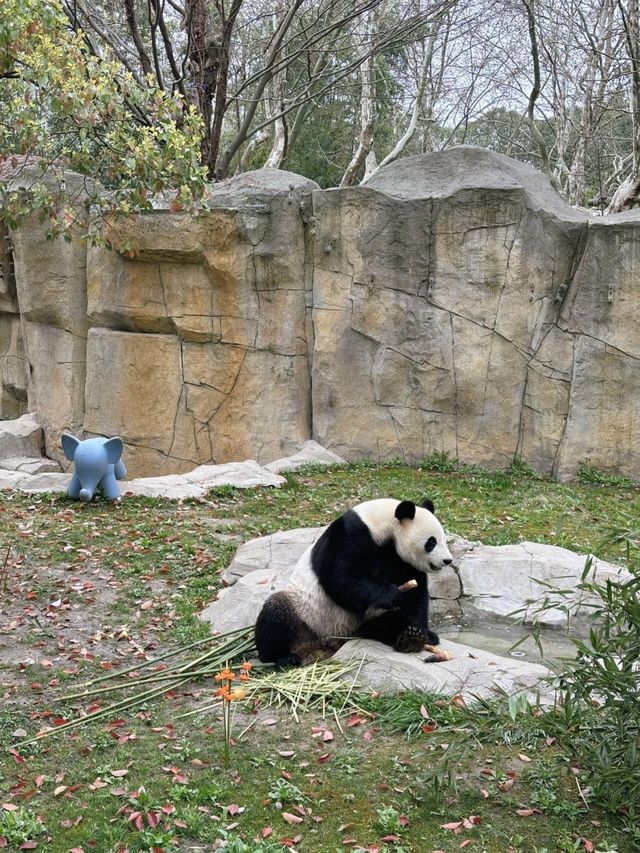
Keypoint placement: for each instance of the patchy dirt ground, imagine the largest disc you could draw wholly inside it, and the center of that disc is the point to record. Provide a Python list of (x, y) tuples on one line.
[(89, 588)]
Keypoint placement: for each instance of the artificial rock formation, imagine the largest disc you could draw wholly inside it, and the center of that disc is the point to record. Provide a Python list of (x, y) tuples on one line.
[(455, 304)]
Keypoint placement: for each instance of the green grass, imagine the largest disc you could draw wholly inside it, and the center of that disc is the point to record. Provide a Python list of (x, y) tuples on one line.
[(131, 580)]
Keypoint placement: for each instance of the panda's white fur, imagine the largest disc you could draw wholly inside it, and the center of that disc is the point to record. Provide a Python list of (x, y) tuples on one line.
[(409, 537), (314, 606), (305, 595)]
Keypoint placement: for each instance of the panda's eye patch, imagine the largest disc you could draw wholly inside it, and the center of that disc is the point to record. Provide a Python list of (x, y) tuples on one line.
[(430, 544)]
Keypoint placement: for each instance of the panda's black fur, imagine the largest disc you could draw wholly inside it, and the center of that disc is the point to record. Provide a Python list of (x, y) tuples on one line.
[(347, 583)]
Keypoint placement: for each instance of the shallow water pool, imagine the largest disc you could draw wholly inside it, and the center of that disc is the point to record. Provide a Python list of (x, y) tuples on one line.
[(499, 636)]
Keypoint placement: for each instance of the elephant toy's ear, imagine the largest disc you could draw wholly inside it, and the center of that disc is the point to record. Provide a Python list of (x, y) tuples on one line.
[(114, 448), (69, 445)]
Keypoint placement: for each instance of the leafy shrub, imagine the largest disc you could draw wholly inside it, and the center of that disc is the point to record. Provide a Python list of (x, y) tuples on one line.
[(590, 475), (284, 792), (598, 721), (19, 826), (439, 461)]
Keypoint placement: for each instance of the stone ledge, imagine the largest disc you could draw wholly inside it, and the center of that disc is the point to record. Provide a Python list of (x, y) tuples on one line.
[(240, 475), (34, 475), (521, 573), (472, 673)]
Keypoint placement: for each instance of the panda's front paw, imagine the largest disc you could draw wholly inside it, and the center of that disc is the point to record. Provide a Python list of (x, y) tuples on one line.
[(412, 639), (388, 599), (431, 638)]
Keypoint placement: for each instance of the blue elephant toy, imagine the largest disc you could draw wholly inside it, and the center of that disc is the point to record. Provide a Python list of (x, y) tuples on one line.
[(97, 466)]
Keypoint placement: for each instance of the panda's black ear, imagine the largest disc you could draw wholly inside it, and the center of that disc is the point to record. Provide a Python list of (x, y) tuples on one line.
[(405, 509), (427, 503)]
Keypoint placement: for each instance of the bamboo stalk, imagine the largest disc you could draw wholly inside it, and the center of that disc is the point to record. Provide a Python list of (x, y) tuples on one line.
[(180, 649), (170, 673), (180, 675)]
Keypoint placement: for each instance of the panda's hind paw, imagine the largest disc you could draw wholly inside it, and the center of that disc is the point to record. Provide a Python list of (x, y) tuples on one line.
[(431, 638), (410, 640), (288, 661)]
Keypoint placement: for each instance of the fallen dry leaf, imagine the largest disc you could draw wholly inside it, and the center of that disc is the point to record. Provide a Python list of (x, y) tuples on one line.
[(455, 825), (291, 818)]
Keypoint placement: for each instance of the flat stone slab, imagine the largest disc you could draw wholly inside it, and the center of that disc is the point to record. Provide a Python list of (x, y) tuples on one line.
[(30, 465), (500, 579), (10, 480), (472, 672), (241, 475), (35, 484), (272, 554), (171, 486), (310, 453)]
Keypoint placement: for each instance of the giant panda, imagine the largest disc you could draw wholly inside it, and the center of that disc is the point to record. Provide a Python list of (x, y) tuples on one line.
[(347, 583)]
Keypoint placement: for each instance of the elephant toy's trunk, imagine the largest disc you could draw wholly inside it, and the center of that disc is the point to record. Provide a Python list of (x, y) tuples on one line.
[(85, 495)]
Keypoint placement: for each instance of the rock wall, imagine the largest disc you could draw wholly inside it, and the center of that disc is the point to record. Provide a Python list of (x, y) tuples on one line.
[(455, 303)]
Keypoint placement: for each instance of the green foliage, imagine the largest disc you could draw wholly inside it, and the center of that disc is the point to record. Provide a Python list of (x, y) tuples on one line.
[(233, 843), (590, 475), (520, 469), (66, 108), (598, 721), (389, 820), (19, 826), (544, 778), (284, 792), (439, 461)]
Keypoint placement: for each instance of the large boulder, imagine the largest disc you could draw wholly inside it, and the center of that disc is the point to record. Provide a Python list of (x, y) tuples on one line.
[(21, 437), (13, 365), (434, 286), (488, 583), (472, 673), (205, 328), (497, 580)]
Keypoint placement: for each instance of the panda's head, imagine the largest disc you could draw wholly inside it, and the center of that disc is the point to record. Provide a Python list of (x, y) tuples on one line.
[(419, 537)]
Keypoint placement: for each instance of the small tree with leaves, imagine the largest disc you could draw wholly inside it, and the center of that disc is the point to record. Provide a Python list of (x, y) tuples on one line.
[(65, 107)]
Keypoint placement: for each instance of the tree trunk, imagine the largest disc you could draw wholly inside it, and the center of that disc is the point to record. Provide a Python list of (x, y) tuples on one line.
[(538, 138), (407, 136), (627, 194), (202, 58), (367, 105)]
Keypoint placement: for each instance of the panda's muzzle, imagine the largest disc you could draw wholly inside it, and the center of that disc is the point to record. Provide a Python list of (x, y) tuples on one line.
[(438, 567)]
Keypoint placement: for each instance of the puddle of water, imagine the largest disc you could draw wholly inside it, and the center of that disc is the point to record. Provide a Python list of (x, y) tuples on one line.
[(499, 635)]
